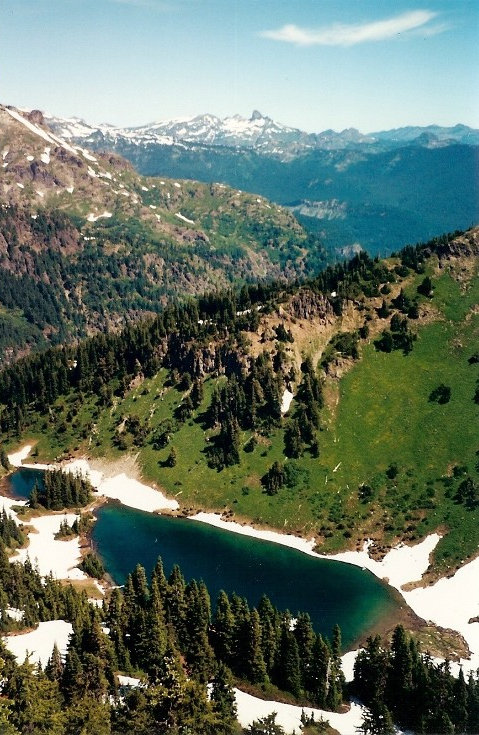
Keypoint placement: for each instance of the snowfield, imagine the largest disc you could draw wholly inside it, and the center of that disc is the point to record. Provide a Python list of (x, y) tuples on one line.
[(39, 643)]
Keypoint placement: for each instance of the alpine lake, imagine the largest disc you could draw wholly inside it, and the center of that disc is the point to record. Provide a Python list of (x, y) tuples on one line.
[(330, 591)]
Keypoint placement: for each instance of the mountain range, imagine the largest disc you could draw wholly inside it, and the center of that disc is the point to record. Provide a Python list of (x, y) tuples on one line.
[(375, 191), (259, 133), (87, 243)]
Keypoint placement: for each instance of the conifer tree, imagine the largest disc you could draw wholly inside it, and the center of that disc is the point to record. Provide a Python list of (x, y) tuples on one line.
[(305, 638), (269, 620), (158, 576), (72, 678), (223, 629), (36, 701), (287, 670), (174, 602), (293, 443), (254, 666), (224, 702), (54, 667)]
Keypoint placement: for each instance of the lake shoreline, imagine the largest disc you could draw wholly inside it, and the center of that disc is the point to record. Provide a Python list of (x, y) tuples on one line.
[(401, 568)]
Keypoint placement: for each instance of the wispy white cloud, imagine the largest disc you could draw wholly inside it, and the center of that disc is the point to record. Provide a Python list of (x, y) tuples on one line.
[(352, 34)]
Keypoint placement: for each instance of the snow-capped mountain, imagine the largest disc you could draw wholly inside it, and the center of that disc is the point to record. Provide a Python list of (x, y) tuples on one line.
[(259, 133)]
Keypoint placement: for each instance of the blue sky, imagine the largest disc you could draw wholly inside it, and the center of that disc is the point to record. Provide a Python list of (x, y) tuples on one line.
[(312, 64)]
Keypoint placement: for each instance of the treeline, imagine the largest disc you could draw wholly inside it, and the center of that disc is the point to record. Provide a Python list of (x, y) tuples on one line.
[(39, 379), (176, 339), (400, 684), (117, 269), (60, 490)]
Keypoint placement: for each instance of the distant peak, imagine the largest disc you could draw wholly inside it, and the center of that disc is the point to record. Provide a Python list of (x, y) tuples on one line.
[(256, 115)]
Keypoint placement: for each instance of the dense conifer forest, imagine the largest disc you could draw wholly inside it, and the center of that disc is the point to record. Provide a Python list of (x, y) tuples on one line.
[(165, 632)]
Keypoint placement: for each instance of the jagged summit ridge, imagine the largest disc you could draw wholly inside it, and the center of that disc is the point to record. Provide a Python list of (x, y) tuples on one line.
[(258, 132)]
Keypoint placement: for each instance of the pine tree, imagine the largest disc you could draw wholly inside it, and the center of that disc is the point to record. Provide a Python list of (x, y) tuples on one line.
[(54, 667), (33, 501), (293, 443), (254, 665), (172, 458), (377, 721), (175, 600), (36, 701), (223, 629), (224, 702), (158, 576), (287, 671), (153, 637), (400, 671), (305, 638), (72, 678), (89, 715), (265, 726), (269, 620), (317, 681)]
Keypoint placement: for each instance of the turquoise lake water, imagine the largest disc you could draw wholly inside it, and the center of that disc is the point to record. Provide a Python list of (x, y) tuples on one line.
[(22, 481), (330, 591)]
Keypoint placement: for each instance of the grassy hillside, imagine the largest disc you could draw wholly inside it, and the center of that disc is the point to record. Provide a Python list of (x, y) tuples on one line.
[(392, 459)]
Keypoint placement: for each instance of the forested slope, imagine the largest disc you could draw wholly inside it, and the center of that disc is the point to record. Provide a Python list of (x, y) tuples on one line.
[(379, 441)]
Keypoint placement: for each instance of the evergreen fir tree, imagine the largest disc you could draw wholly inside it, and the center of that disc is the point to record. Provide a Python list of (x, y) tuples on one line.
[(224, 702), (54, 667)]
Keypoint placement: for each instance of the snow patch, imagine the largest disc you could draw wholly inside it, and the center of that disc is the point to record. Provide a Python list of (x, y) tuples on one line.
[(94, 217), (120, 487), (39, 643), (185, 219), (286, 400), (49, 137), (60, 557), (45, 156), (30, 158), (20, 186), (128, 681), (14, 613), (289, 716), (86, 155)]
